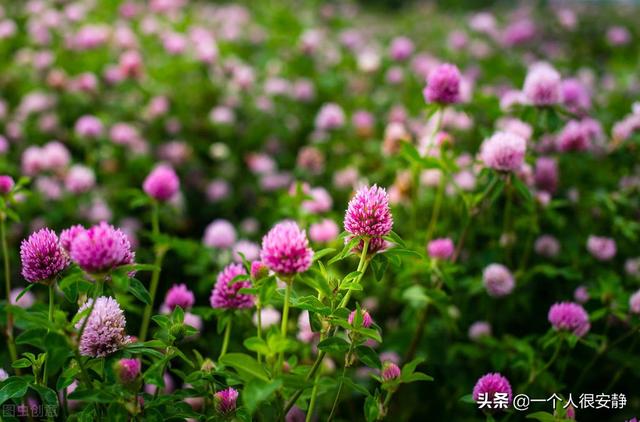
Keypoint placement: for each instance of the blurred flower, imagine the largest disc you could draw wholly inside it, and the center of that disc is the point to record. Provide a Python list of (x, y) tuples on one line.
[(401, 48), (179, 295), (269, 316), (6, 184), (503, 151), (311, 159), (305, 333), (42, 256), (568, 316), (575, 95), (497, 280), (547, 246), (601, 248), (225, 292), (320, 201), (618, 35), (546, 174), (479, 329), (27, 300), (443, 85), (542, 85), (162, 183), (79, 179), (88, 127), (519, 32), (250, 250), (331, 116), (634, 303), (441, 248), (104, 332), (581, 294), (574, 137), (219, 234), (285, 249), (324, 231)]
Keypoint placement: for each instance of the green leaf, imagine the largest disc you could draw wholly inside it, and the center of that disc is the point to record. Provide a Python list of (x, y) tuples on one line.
[(379, 266), (333, 344), (21, 363), (368, 356), (13, 387), (541, 416), (416, 376), (321, 253), (258, 345), (139, 291), (257, 392), (24, 291), (409, 368), (48, 396), (32, 337), (371, 408), (246, 366), (310, 303), (468, 398)]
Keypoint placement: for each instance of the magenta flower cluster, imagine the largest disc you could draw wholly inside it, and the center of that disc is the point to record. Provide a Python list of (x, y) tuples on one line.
[(285, 249), (104, 332), (368, 213), (225, 293), (162, 183), (390, 371), (366, 318), (497, 280), (179, 295), (443, 85), (490, 384), (226, 400), (504, 151), (440, 248), (42, 256), (100, 248), (569, 316), (128, 370)]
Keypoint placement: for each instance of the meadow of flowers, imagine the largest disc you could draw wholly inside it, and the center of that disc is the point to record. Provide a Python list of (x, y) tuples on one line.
[(317, 211)]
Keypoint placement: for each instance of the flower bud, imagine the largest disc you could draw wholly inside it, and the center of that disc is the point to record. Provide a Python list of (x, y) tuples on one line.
[(127, 370)]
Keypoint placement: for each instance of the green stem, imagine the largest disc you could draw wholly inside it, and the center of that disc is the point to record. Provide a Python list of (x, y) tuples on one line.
[(385, 404), (259, 327), (310, 375), (362, 267), (225, 341), (51, 301), (11, 345), (160, 251), (285, 319), (417, 337), (556, 353), (507, 219), (436, 207), (344, 371), (312, 402), (51, 307)]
